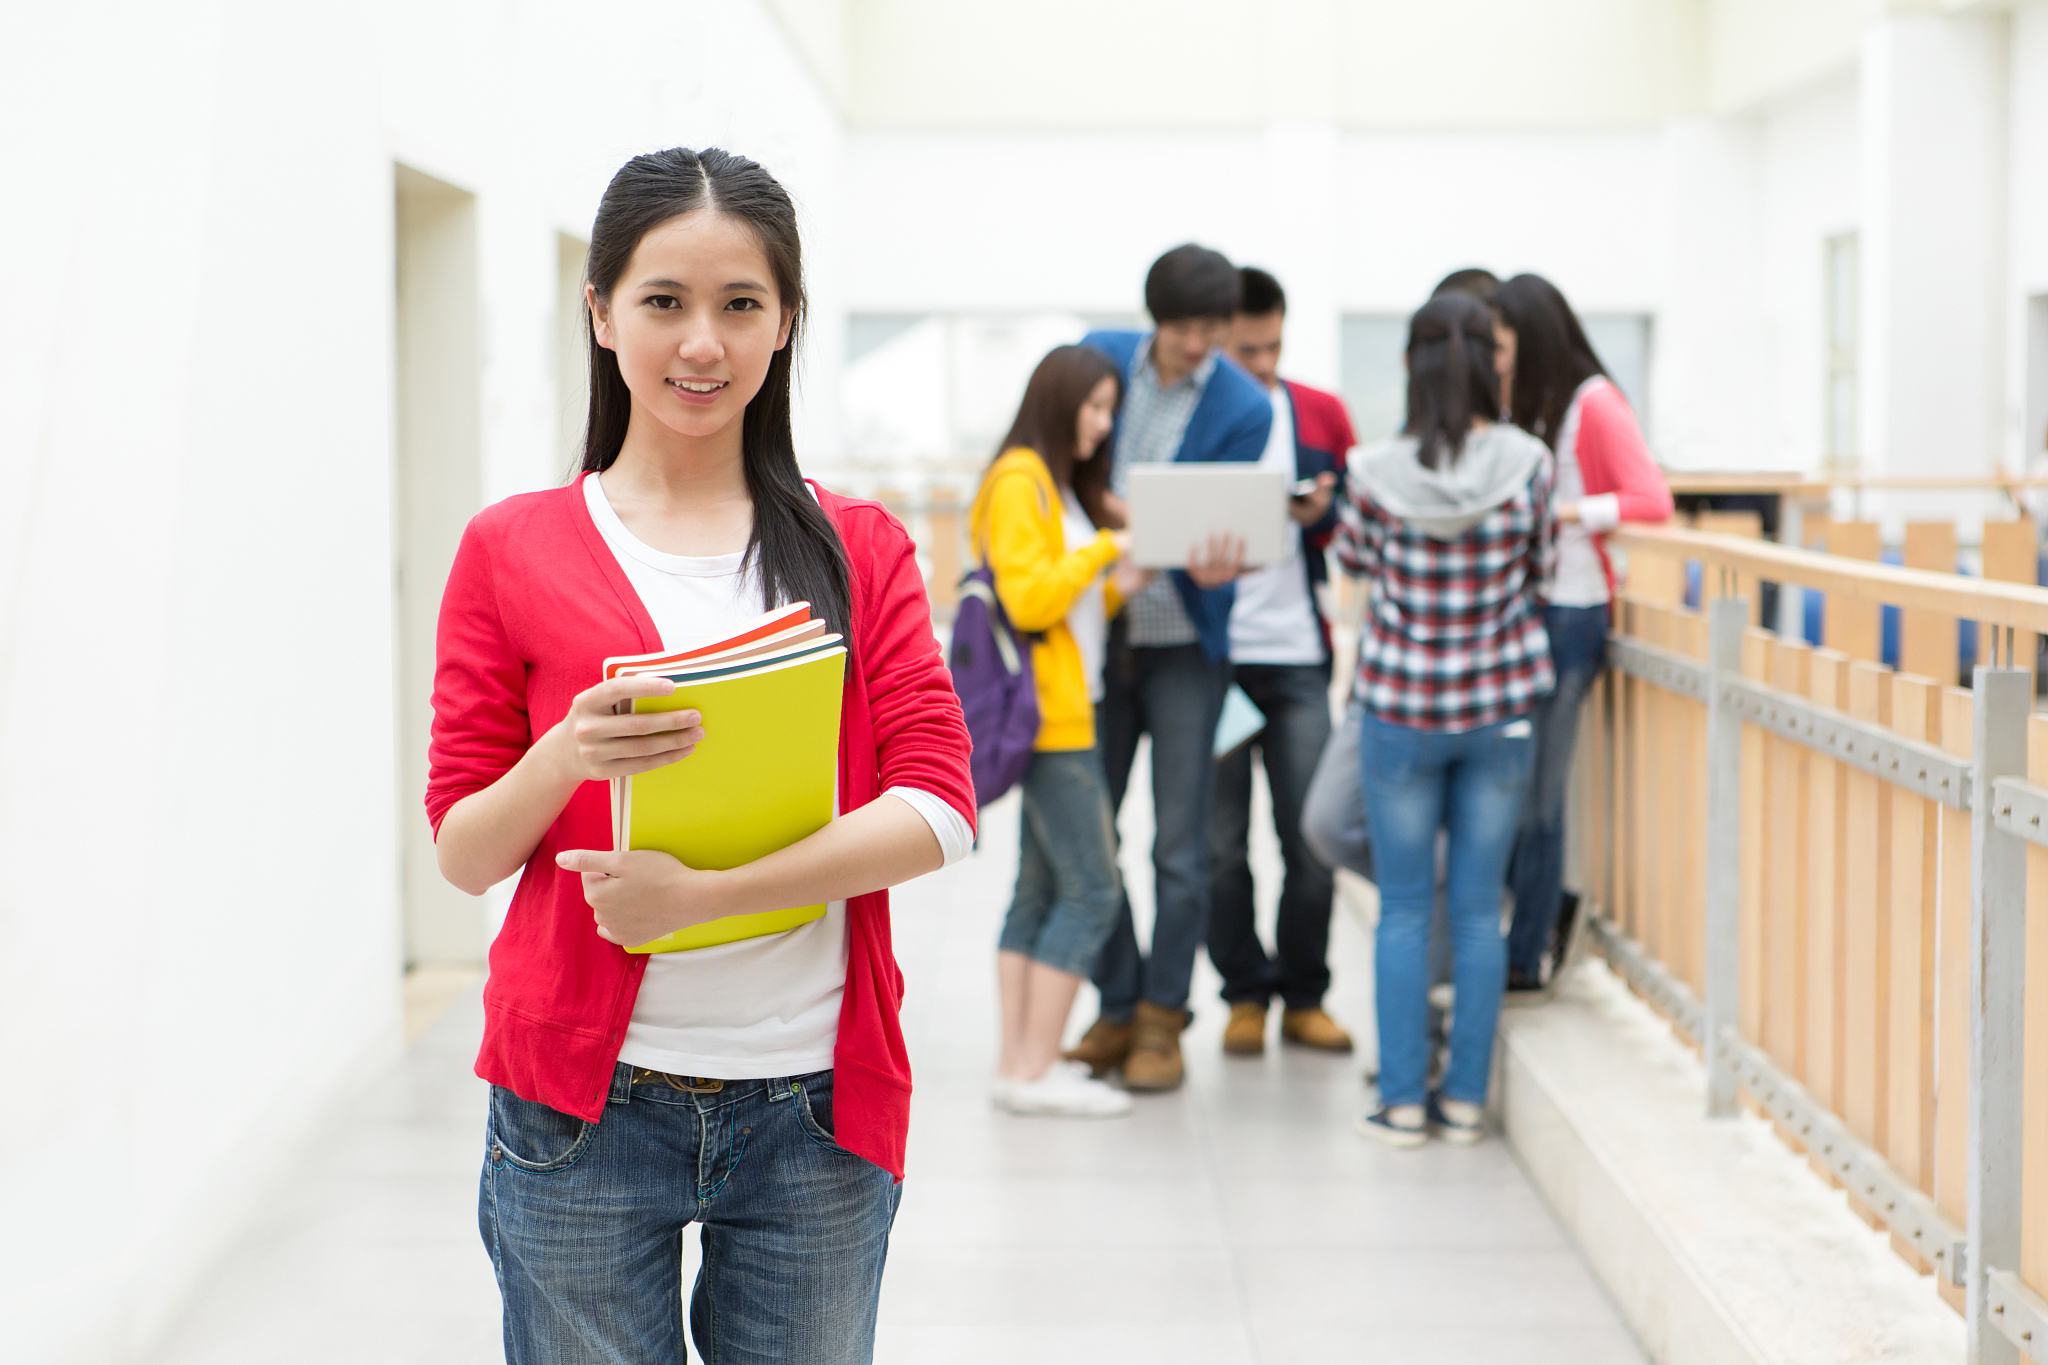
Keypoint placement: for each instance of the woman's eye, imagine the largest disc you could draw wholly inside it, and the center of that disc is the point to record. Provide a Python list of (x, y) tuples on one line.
[(663, 301), (744, 305)]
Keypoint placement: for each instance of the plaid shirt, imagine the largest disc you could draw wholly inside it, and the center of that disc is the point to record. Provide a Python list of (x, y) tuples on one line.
[(1453, 636)]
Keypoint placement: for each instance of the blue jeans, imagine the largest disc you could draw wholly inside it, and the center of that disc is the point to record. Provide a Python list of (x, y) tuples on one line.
[(584, 1222), (1296, 701), (1067, 885), (1174, 694), (1416, 781), (1578, 646)]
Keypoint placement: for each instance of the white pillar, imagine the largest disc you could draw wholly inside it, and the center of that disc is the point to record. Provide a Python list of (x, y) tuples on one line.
[(1933, 247)]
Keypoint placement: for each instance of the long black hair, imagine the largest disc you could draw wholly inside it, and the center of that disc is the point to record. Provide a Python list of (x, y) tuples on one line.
[(1552, 355), (1049, 422), (794, 549), (1451, 378)]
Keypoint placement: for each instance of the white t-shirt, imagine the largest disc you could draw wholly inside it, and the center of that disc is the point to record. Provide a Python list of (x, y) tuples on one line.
[(765, 1006), (1274, 618), (1088, 618), (1577, 578)]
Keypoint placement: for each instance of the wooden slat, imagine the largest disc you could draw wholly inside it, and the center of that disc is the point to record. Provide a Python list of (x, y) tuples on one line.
[(1628, 702), (1826, 863), (1748, 525), (1866, 928), (1909, 1127), (2034, 1059), (1927, 639), (2010, 556), (1650, 796), (1975, 599), (1750, 1008), (1850, 625), (1952, 993), (1654, 578), (1689, 953), (1786, 849), (945, 542)]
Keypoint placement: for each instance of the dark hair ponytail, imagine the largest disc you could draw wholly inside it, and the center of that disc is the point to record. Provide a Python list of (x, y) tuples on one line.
[(794, 550), (1451, 378)]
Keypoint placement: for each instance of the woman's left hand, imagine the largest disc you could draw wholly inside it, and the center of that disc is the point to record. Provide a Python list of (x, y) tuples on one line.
[(639, 896), (1568, 511)]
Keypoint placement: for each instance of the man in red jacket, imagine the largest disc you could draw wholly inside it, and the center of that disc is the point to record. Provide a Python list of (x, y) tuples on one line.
[(1280, 656)]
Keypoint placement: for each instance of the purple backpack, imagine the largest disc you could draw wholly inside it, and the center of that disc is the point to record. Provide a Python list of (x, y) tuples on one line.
[(991, 666)]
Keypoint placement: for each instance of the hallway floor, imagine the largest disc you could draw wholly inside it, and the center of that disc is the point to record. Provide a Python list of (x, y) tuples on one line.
[(1238, 1220)]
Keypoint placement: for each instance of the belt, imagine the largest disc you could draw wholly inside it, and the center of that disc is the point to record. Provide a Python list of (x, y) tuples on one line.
[(696, 1085)]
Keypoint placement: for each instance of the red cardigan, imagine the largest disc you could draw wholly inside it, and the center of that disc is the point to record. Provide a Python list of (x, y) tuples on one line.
[(534, 603)]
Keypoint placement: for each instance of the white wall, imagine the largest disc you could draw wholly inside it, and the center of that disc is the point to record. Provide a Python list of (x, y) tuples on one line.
[(199, 903)]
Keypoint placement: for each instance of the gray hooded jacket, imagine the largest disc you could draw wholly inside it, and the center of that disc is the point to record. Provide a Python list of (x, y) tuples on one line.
[(1446, 502)]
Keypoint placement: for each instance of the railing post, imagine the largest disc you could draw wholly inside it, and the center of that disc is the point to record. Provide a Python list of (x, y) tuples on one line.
[(1727, 619), (1998, 902)]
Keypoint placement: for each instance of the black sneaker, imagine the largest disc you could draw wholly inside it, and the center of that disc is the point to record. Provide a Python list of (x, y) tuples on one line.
[(1409, 1131), (1462, 1125), (1561, 933)]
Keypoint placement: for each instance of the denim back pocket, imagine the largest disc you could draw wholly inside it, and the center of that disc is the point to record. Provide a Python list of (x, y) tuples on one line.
[(534, 1138)]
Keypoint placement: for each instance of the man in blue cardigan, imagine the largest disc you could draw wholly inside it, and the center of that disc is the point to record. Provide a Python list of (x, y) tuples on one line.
[(1168, 653)]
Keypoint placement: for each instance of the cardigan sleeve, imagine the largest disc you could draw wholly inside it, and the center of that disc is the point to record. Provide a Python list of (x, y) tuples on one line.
[(480, 727), (1037, 579), (1613, 459), (920, 737)]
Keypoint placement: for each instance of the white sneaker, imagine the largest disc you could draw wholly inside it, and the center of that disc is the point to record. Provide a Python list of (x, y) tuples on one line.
[(999, 1092), (1066, 1090)]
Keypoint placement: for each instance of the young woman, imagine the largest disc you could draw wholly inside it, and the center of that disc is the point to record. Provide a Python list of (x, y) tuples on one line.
[(1554, 386), (757, 1087), (1041, 521), (1451, 521)]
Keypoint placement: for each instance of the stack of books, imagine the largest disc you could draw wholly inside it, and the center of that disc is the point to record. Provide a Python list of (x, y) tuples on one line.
[(766, 772)]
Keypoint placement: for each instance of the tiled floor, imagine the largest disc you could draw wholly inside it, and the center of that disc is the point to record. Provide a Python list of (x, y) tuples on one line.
[(1238, 1220)]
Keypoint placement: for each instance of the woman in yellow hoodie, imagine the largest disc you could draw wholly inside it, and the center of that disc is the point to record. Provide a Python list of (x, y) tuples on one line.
[(1042, 524)]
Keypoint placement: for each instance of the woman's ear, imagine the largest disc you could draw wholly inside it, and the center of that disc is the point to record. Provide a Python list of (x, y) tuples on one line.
[(782, 333), (600, 317)]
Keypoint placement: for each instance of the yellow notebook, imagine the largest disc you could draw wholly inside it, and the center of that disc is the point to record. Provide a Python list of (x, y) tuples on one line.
[(763, 778)]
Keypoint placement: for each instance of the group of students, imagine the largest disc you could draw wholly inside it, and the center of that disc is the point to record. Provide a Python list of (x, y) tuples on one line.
[(1478, 530), (760, 1088)]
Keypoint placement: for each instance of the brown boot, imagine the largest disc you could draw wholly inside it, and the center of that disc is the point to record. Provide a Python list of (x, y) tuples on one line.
[(1103, 1047), (1154, 1062), (1313, 1028), (1245, 1034)]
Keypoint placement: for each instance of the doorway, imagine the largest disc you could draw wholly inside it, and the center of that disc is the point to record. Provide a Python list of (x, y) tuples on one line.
[(437, 485)]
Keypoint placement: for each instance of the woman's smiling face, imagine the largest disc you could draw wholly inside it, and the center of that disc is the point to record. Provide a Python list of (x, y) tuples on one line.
[(695, 320)]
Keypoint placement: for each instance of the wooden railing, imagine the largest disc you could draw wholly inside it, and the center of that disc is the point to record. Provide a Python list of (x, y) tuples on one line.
[(1833, 879)]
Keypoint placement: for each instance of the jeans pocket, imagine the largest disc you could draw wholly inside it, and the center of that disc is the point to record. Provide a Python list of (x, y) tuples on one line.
[(532, 1137), (1514, 753), (814, 1108)]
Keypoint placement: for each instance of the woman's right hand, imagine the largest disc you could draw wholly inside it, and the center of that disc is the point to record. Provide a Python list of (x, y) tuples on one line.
[(1130, 580), (596, 745)]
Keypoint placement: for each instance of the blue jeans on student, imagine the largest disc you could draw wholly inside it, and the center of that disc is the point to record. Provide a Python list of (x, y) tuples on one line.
[(1174, 694), (1067, 885), (1578, 647), (584, 1222), (1415, 780)]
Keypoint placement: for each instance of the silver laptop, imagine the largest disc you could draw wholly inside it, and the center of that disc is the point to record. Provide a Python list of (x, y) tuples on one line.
[(1175, 507)]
